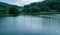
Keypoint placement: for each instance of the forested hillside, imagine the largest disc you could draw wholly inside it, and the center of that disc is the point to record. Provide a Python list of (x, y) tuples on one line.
[(9, 9), (45, 7)]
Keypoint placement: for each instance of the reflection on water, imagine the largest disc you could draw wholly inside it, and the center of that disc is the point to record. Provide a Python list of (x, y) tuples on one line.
[(29, 25)]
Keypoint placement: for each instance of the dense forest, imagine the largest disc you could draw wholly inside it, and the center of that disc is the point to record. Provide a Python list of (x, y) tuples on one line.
[(45, 7)]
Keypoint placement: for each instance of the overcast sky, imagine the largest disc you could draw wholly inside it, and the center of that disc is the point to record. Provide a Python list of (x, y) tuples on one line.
[(20, 2)]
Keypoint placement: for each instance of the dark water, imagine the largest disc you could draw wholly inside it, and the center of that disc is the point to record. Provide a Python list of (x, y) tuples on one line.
[(30, 25)]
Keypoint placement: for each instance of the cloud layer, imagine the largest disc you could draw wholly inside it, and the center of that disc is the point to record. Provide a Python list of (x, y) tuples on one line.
[(20, 2)]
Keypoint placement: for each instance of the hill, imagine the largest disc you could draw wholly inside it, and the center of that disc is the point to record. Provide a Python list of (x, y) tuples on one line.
[(4, 5), (6, 8), (45, 6)]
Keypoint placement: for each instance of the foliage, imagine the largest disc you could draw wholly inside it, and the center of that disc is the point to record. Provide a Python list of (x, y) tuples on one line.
[(46, 6), (14, 10)]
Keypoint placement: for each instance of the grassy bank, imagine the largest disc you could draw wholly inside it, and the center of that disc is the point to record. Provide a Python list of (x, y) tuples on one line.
[(42, 13), (48, 13)]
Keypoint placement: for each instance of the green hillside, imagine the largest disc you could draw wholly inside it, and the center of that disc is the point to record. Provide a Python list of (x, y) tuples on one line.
[(45, 7)]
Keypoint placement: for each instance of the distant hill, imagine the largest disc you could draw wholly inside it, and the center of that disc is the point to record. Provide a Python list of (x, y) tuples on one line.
[(52, 0), (46, 5), (4, 5), (33, 8)]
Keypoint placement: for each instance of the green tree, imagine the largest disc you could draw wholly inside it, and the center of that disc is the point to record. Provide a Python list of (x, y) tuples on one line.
[(14, 10), (3, 11), (35, 9), (58, 9)]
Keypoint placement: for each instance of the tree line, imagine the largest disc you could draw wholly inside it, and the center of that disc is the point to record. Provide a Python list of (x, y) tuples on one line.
[(46, 6)]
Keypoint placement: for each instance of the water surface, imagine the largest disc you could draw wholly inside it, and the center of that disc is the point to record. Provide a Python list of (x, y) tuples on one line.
[(30, 25)]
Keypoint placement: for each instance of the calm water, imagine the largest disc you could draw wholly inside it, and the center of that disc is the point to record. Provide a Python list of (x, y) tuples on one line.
[(30, 25)]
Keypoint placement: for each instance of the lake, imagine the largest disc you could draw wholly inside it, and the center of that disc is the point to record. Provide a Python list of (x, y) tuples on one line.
[(30, 25)]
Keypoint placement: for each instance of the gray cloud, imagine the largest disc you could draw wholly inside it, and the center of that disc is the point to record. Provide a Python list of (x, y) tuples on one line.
[(20, 2)]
